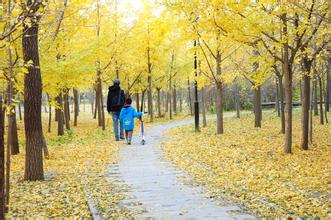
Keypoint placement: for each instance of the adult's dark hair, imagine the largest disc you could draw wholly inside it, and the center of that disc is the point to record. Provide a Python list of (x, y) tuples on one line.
[(117, 82)]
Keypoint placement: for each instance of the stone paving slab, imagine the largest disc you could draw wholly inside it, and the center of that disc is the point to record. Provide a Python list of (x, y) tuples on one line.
[(155, 185)]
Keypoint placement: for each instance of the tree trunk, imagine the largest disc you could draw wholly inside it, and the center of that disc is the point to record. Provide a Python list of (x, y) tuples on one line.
[(102, 109), (180, 102), (2, 162), (203, 99), (174, 99), (189, 96), (159, 102), (311, 119), (321, 100), (14, 137), (76, 106), (96, 103), (315, 93), (257, 107), (305, 105), (142, 101), (66, 109), (288, 80), (328, 85), (20, 110), (60, 118), (238, 100), (282, 104), (34, 169), (137, 101), (277, 106), (49, 119), (150, 89), (219, 108)]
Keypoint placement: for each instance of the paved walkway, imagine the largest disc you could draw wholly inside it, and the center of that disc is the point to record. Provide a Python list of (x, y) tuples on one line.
[(154, 183)]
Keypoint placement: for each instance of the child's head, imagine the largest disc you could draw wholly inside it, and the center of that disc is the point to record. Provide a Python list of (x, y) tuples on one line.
[(128, 101)]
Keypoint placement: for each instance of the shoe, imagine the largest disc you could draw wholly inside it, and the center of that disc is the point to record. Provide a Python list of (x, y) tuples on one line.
[(117, 138), (129, 143), (122, 138)]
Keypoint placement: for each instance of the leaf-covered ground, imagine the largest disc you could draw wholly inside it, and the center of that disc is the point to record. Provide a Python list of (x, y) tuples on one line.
[(78, 166), (248, 165)]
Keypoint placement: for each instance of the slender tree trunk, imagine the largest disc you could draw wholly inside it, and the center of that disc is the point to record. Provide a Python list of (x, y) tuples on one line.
[(321, 100), (60, 118), (96, 106), (328, 85), (288, 80), (257, 107), (174, 100), (219, 108), (66, 109), (180, 102), (34, 169), (102, 109), (203, 97), (277, 99), (315, 93), (238, 100), (2, 162), (20, 110), (305, 105), (189, 96), (49, 117), (282, 104), (15, 149), (137, 100), (76, 106), (159, 102), (150, 89), (311, 119)]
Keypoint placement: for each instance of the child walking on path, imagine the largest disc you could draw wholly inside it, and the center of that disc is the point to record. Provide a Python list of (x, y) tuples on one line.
[(127, 115)]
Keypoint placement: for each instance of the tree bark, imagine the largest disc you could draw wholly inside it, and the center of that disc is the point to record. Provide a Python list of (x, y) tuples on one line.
[(282, 104), (277, 106), (60, 118), (20, 110), (76, 106), (203, 99), (189, 96), (257, 107), (15, 149), (328, 85), (2, 162), (305, 105), (159, 102), (219, 108), (174, 99), (315, 92), (137, 100), (34, 169), (150, 89), (238, 100), (288, 80), (66, 109), (321, 100)]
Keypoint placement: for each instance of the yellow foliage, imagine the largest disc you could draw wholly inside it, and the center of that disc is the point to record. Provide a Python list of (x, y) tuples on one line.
[(248, 165), (78, 166)]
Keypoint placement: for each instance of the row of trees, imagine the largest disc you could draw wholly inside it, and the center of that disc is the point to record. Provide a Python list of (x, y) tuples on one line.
[(53, 48)]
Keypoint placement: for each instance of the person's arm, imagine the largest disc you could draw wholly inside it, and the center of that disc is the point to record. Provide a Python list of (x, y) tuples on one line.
[(137, 114), (121, 115), (122, 96)]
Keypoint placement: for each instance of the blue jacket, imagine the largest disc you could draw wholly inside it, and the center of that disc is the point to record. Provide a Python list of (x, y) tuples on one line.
[(127, 115)]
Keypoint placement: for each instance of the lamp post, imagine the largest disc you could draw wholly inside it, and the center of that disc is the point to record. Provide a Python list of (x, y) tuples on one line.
[(196, 101)]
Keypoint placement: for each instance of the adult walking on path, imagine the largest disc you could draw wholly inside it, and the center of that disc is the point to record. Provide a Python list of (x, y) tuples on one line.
[(115, 102)]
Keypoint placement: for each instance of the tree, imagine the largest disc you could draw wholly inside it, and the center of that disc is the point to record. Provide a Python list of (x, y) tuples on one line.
[(32, 94)]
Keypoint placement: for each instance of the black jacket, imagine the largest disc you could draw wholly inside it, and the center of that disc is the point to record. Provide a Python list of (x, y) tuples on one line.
[(116, 99)]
